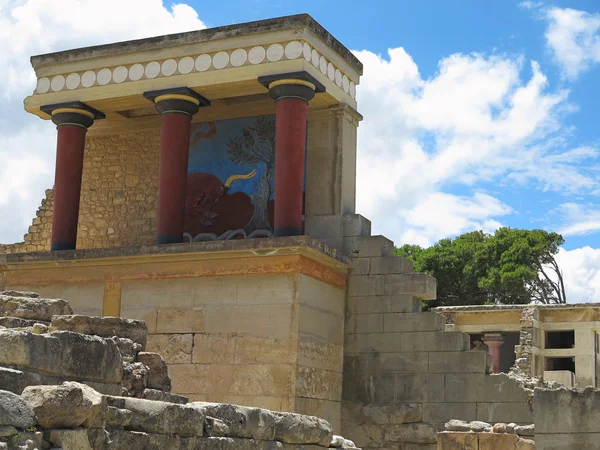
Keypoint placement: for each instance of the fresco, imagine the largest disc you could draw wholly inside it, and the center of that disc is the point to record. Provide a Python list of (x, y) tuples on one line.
[(231, 179)]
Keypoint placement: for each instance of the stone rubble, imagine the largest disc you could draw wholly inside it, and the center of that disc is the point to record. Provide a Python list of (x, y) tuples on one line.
[(74, 382)]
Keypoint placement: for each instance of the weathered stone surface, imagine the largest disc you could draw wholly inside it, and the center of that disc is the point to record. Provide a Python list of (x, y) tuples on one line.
[(7, 430), (416, 433), (491, 441), (27, 294), (457, 441), (458, 425), (129, 349), (136, 330), (32, 308), (16, 322), (116, 439), (525, 430), (39, 328), (76, 439), (62, 353), (15, 411), (499, 428), (154, 394), (158, 376), (391, 414), (298, 429), (135, 378), (161, 417), (69, 405), (525, 444), (26, 440), (479, 426), (174, 348)]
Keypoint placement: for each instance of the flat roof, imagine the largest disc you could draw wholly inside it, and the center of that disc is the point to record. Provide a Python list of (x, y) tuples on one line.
[(209, 34), (489, 308)]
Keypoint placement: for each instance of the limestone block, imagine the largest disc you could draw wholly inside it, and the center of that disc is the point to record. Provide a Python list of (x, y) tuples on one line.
[(504, 412), (396, 413), (298, 429), (434, 341), (161, 417), (416, 433), (12, 304), (313, 353), (158, 375), (460, 362), (525, 444), (401, 303), (384, 265), (443, 412), (69, 439), (365, 285), (271, 320), (567, 441), (368, 342), (179, 320), (494, 441), (319, 325), (364, 323), (253, 349), (421, 285), (420, 388), (69, 405), (452, 440), (190, 378), (15, 381), (136, 330), (25, 440), (319, 384), (7, 430), (263, 379), (154, 394), (214, 348), (362, 363), (174, 348), (361, 266), (324, 226), (16, 322), (420, 321), (15, 411), (368, 246), (583, 406), (82, 357), (483, 388), (135, 378), (525, 430), (369, 388), (405, 362), (319, 295), (325, 409), (355, 225)]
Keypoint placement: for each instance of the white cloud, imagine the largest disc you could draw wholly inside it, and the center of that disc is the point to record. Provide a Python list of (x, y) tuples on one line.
[(573, 36), (31, 27), (478, 119), (578, 219), (581, 273)]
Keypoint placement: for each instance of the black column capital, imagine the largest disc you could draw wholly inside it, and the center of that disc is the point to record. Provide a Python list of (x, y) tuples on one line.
[(298, 85), (181, 100), (72, 113)]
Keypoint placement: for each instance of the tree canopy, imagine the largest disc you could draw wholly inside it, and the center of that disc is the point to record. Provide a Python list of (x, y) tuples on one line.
[(511, 266)]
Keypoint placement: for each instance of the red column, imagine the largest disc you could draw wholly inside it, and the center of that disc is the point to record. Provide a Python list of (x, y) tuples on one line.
[(176, 106), (494, 341), (290, 145), (67, 186), (172, 179), (72, 121)]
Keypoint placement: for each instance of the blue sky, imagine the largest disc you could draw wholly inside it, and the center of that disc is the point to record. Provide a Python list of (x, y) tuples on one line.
[(477, 114)]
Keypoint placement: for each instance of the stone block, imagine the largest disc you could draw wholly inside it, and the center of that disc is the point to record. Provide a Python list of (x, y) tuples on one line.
[(190, 378), (384, 265), (174, 348), (401, 303), (325, 409), (421, 285), (496, 388), (434, 341), (15, 411), (16, 322), (161, 396), (495, 441), (369, 388), (273, 320), (365, 285), (406, 362), (380, 342), (364, 323), (440, 413), (313, 353), (415, 433), (20, 305), (69, 439), (360, 266), (362, 363), (136, 330), (457, 441), (567, 441), (158, 374), (420, 321), (180, 320), (214, 348), (420, 388), (355, 225), (319, 325), (392, 414), (368, 246), (460, 362), (319, 384), (504, 412), (319, 295), (263, 379), (325, 226), (583, 406)]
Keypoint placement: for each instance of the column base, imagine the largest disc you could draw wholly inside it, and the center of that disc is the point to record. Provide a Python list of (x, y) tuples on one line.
[(57, 246), (168, 239)]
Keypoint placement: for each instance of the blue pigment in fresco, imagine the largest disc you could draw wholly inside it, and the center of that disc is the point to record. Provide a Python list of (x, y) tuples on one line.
[(231, 178)]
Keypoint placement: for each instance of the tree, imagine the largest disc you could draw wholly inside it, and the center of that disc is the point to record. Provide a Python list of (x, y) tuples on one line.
[(255, 145), (511, 266)]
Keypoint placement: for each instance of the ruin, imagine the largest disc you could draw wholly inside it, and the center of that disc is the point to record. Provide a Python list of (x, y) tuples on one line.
[(205, 189)]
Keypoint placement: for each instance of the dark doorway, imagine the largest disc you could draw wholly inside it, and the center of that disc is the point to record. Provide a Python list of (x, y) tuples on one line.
[(561, 364), (560, 339)]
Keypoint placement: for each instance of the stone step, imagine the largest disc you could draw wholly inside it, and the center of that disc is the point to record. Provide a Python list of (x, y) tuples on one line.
[(355, 225), (368, 246)]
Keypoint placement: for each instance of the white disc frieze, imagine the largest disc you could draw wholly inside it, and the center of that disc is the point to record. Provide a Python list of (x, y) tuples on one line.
[(57, 83), (239, 57), (168, 67), (323, 65), (275, 52), (88, 78), (306, 51), (152, 69), (43, 85), (314, 58), (104, 76), (73, 80), (293, 50), (120, 74), (338, 77), (220, 60), (331, 71), (203, 63), (185, 65), (136, 72), (352, 89), (346, 83), (257, 55)]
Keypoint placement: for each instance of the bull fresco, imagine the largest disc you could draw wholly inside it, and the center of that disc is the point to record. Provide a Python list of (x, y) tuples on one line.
[(231, 179)]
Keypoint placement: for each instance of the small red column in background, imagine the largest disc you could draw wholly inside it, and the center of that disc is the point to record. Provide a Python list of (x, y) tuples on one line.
[(176, 107), (291, 92), (494, 341), (72, 121)]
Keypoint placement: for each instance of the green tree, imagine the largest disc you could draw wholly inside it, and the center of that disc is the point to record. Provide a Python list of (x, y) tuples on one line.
[(511, 266)]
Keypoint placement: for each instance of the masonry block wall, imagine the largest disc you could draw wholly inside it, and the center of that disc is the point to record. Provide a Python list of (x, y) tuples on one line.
[(404, 376)]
